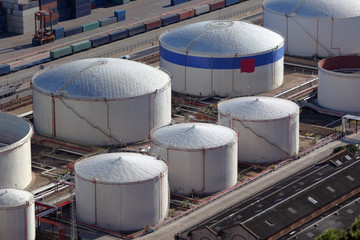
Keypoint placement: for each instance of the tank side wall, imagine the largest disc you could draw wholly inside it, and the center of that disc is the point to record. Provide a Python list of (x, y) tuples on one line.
[(275, 22), (161, 105), (42, 111), (185, 171), (221, 168), (339, 93), (224, 76), (85, 200), (15, 167), (130, 207), (13, 223), (263, 142)]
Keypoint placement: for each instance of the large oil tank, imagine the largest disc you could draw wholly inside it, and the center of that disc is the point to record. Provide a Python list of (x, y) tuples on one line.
[(339, 84), (15, 151), (121, 191), (311, 28), (202, 157), (101, 101), (225, 58), (17, 215), (268, 127)]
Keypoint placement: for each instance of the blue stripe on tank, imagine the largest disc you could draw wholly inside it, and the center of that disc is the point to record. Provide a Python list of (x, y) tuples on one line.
[(219, 63)]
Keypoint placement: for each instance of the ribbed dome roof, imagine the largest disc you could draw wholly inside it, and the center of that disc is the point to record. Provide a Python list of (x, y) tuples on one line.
[(98, 78), (258, 108), (14, 197), (120, 168), (315, 8), (193, 136), (221, 38)]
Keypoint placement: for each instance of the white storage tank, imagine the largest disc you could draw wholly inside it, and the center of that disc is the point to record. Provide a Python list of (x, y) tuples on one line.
[(101, 101), (17, 215), (268, 127), (311, 28), (202, 157), (225, 58), (121, 191), (339, 84), (15, 151)]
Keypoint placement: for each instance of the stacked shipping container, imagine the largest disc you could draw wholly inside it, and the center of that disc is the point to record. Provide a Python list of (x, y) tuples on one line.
[(80, 8), (50, 5), (2, 20), (19, 15)]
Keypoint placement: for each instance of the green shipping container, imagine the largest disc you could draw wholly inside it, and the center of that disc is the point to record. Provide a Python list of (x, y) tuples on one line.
[(90, 26), (60, 52), (80, 46), (120, 1)]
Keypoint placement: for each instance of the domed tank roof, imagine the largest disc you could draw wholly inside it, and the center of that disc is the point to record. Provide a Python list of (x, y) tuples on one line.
[(98, 78), (14, 197), (193, 136), (258, 108), (120, 168), (315, 8), (222, 38)]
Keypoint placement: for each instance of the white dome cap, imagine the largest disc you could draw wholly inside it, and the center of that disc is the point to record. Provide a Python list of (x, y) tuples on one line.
[(222, 38), (14, 197), (120, 168), (193, 136), (315, 8), (98, 78), (258, 108)]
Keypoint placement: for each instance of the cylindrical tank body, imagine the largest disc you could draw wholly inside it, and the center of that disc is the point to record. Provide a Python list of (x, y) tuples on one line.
[(121, 191), (339, 84), (268, 127), (17, 215), (101, 101), (311, 28), (202, 157), (15, 151), (225, 58)]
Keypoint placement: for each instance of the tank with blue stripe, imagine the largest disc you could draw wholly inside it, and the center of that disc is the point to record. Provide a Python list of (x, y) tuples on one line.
[(219, 62)]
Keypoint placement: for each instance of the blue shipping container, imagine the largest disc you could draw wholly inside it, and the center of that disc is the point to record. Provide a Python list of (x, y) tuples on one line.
[(229, 2), (100, 40), (59, 36), (120, 14), (136, 29), (176, 2), (107, 21), (4, 69), (81, 14), (57, 30), (118, 35), (77, 3), (73, 31), (169, 19), (65, 14)]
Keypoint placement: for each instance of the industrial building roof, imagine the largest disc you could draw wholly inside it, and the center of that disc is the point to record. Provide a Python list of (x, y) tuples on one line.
[(315, 8), (341, 217), (99, 78), (193, 136), (292, 199), (324, 190), (14, 197), (222, 38), (120, 168), (258, 108)]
